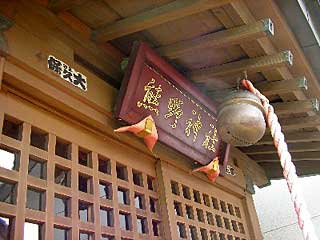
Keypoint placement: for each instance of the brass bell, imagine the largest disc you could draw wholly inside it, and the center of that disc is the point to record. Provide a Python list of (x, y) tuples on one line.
[(240, 119)]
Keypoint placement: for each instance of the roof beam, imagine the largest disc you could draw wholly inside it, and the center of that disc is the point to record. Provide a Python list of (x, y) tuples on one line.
[(274, 169), (292, 137), (62, 5), (219, 39), (250, 167), (299, 106), (300, 122), (293, 147), (238, 13), (268, 88), (257, 64), (153, 17), (298, 156), (282, 86)]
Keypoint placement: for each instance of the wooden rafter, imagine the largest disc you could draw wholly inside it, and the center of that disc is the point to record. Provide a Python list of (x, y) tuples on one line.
[(86, 31), (153, 17), (219, 39), (293, 147), (250, 65), (293, 137), (81, 44), (283, 86), (274, 169), (2, 62), (296, 106), (300, 122), (250, 167), (296, 156), (237, 13), (62, 5), (268, 88)]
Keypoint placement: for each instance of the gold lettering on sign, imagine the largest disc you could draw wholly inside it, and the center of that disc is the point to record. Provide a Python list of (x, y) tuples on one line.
[(194, 125), (151, 97), (174, 110), (211, 138)]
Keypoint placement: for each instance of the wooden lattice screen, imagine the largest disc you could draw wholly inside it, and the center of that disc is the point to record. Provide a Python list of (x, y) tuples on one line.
[(60, 190), (201, 211), (60, 181)]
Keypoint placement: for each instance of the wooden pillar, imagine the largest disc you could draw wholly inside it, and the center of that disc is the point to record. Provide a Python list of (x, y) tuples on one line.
[(115, 201), (50, 190), (1, 118), (74, 191), (165, 198), (147, 204), (132, 207), (2, 62), (22, 184), (96, 195), (253, 222)]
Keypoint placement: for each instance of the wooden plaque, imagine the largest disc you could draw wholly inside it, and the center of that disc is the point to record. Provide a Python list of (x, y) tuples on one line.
[(185, 117)]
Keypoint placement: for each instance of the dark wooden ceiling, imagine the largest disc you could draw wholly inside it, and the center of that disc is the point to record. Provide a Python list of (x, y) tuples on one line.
[(212, 43)]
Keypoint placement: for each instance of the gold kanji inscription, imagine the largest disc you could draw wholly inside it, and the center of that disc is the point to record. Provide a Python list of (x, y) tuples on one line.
[(211, 138), (193, 125), (174, 110), (151, 97)]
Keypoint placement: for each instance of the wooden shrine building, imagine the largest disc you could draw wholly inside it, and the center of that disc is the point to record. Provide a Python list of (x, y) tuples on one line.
[(65, 173)]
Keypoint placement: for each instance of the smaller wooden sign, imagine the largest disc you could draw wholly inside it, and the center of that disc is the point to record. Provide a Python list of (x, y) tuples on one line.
[(67, 73), (185, 118)]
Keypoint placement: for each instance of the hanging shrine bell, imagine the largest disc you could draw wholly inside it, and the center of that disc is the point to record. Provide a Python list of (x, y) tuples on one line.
[(240, 119)]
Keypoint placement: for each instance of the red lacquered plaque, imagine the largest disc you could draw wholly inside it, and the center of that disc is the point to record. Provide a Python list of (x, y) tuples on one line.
[(185, 117)]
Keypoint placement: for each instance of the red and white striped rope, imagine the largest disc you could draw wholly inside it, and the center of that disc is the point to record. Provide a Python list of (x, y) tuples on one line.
[(289, 170)]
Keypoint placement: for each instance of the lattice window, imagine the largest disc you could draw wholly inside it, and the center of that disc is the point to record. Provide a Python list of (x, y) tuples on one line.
[(89, 194), (205, 216), (62, 206), (10, 158), (12, 128)]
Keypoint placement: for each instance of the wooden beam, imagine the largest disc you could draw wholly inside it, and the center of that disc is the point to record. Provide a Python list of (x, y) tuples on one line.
[(283, 86), (153, 17), (257, 64), (304, 168), (63, 5), (86, 31), (299, 106), (2, 62), (293, 147), (250, 168), (299, 156), (218, 95), (34, 16), (293, 137), (237, 13), (219, 39), (246, 12), (267, 88), (300, 122)]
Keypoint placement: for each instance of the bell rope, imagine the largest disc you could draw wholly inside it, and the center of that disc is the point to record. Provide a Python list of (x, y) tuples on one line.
[(289, 170)]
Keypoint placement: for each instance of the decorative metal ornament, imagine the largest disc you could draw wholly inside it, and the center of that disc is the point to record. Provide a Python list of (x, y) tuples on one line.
[(240, 119), (230, 171)]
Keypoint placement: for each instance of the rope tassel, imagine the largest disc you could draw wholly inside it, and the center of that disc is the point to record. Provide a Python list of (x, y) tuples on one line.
[(212, 170), (289, 170), (145, 129)]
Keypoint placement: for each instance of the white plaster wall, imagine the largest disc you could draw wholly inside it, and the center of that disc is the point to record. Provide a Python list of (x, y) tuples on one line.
[(276, 213)]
